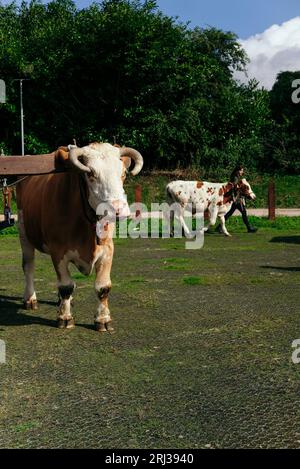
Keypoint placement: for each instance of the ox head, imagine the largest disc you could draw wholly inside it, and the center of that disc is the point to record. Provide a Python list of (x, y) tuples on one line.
[(105, 167), (245, 190)]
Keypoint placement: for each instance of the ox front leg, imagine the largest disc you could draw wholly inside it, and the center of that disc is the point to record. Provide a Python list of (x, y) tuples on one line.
[(103, 286), (66, 287)]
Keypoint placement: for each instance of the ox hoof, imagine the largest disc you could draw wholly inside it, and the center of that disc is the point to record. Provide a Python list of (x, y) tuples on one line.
[(65, 323), (31, 304), (104, 327)]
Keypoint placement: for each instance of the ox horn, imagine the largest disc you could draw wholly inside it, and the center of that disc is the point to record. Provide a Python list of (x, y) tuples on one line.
[(74, 154), (135, 156)]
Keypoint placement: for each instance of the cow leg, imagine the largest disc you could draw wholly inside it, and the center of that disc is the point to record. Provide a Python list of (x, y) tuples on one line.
[(172, 223), (223, 226), (212, 218), (66, 287), (178, 213), (103, 286), (180, 216), (29, 299), (170, 214)]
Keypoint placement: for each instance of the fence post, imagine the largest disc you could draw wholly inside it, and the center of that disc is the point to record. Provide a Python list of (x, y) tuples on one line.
[(271, 200), (138, 199)]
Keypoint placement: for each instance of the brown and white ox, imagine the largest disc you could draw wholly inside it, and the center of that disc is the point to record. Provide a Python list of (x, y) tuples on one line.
[(57, 216), (216, 198)]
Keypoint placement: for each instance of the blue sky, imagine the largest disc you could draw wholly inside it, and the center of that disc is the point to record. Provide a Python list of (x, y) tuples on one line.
[(244, 17)]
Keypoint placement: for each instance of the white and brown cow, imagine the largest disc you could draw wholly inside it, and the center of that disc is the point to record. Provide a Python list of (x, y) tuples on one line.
[(216, 198), (57, 216)]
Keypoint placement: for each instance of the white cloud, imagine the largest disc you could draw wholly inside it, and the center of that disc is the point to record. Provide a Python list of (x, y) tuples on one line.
[(275, 50)]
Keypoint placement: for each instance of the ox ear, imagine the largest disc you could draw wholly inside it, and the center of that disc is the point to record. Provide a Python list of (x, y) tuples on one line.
[(62, 155), (126, 161)]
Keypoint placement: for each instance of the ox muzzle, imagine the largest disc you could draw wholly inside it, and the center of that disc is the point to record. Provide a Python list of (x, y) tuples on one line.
[(111, 211)]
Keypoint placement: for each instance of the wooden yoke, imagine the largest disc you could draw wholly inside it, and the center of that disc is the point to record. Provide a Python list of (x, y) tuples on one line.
[(30, 165)]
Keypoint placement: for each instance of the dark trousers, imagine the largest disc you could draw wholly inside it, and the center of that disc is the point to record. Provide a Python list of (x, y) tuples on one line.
[(241, 208)]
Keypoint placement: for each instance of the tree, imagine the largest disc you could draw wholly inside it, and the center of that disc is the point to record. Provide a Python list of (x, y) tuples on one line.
[(284, 143), (122, 70)]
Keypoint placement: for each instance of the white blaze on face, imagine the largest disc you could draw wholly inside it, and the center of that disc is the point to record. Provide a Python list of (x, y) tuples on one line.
[(106, 192)]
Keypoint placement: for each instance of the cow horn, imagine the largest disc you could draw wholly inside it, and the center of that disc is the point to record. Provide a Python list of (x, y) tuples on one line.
[(74, 154), (135, 156)]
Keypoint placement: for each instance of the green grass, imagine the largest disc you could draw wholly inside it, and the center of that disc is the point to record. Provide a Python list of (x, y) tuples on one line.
[(193, 281), (287, 189), (234, 225), (23, 427), (12, 230), (201, 355)]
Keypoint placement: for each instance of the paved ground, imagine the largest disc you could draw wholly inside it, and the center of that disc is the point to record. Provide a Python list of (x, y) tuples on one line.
[(201, 356), (257, 212), (263, 212)]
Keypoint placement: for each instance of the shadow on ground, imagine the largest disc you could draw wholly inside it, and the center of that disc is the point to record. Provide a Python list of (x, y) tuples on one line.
[(286, 239), (288, 269), (11, 313)]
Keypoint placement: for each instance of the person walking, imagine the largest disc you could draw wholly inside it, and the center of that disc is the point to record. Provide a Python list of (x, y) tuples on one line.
[(238, 202)]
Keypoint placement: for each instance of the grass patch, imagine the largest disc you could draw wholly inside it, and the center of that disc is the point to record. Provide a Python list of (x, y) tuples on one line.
[(194, 280), (23, 427), (78, 276), (132, 283), (177, 260), (235, 224)]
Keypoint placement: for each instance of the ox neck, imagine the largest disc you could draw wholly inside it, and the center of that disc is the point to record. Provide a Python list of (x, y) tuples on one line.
[(89, 212)]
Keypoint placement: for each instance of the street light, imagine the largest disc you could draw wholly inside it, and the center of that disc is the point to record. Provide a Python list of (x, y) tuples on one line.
[(22, 111)]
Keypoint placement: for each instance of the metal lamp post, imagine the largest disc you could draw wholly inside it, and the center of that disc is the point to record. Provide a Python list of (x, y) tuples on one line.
[(22, 112)]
